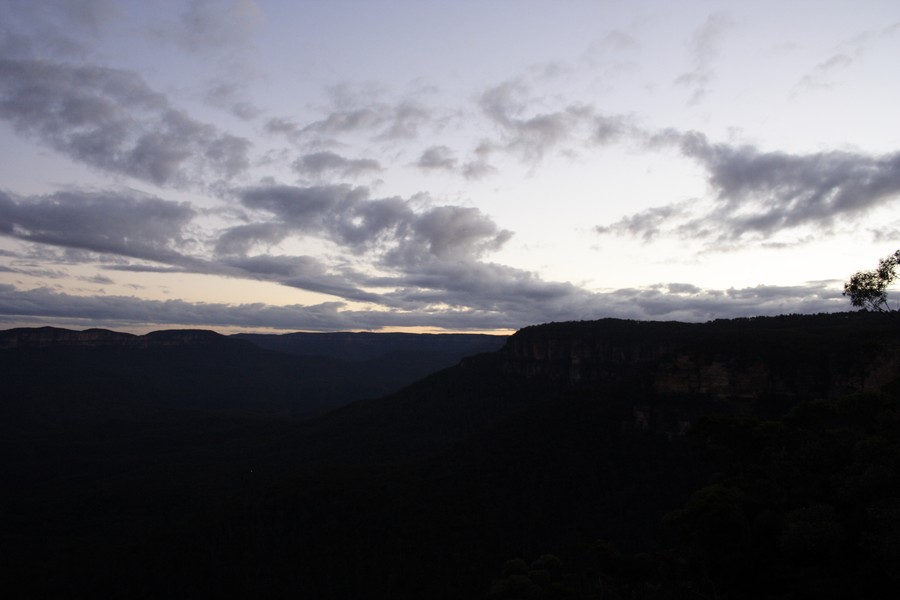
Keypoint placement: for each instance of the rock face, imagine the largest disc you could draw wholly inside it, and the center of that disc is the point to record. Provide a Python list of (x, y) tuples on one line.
[(743, 365)]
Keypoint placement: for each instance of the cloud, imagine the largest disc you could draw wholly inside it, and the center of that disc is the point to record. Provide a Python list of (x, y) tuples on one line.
[(480, 166), (437, 157), (656, 303), (844, 57), (530, 137), (758, 194), (382, 121), (322, 163), (704, 45), (646, 224), (125, 224), (58, 29), (206, 25), (391, 226), (229, 96), (303, 272), (240, 239), (110, 119)]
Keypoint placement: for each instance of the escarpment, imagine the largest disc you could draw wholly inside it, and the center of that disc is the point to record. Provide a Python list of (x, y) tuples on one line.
[(744, 366)]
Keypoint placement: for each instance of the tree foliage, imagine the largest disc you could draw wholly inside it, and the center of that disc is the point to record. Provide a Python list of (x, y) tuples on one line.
[(868, 289)]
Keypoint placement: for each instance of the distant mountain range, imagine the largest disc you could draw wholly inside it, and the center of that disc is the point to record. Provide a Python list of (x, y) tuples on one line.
[(609, 455), (296, 375)]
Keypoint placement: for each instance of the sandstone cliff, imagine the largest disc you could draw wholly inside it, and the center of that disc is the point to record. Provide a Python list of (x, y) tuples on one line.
[(745, 365)]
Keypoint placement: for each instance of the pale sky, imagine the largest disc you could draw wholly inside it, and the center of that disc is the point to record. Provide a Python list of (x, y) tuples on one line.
[(462, 166)]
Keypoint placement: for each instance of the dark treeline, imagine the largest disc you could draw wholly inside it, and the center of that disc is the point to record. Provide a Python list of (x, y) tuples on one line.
[(497, 478)]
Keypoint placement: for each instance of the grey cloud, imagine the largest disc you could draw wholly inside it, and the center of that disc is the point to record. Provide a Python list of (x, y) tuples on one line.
[(303, 272), (43, 305), (618, 40), (530, 137), (99, 279), (230, 96), (763, 192), (280, 266), (282, 126), (141, 268), (757, 194), (112, 120), (215, 24), (37, 305), (437, 157), (820, 77), (511, 294), (241, 238), (321, 163), (704, 46), (456, 232), (405, 121), (478, 169), (480, 166), (609, 129), (60, 29), (335, 211), (348, 216), (844, 57), (646, 224), (382, 120), (122, 224)]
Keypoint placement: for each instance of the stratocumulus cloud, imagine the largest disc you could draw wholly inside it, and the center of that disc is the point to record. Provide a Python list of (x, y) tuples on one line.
[(456, 177), (110, 119), (758, 194), (122, 224), (655, 303)]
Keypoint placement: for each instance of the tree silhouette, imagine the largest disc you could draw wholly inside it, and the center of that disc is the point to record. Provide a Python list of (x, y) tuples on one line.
[(868, 289)]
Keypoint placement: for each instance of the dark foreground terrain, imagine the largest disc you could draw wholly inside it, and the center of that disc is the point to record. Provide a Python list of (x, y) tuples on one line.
[(751, 458)]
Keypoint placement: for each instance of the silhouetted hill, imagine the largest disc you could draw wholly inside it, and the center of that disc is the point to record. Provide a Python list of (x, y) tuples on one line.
[(601, 443), (76, 375), (386, 362), (366, 346)]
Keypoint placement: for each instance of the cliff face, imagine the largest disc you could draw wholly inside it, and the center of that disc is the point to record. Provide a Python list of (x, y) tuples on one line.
[(740, 363)]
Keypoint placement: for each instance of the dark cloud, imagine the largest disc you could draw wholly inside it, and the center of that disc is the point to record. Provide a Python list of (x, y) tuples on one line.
[(241, 238), (394, 226), (452, 232), (141, 268), (437, 157), (303, 272), (99, 279), (120, 224), (319, 164), (110, 119), (757, 194)]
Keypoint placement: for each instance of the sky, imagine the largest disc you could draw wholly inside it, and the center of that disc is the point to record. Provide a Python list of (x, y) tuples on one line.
[(275, 165)]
